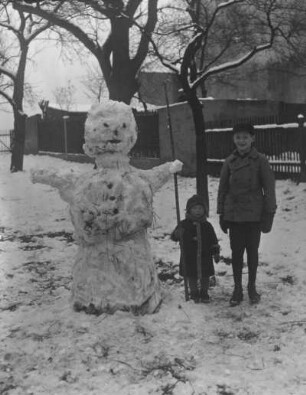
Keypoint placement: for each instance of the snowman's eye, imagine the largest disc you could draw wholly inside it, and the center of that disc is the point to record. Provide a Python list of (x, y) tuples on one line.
[(124, 125), (106, 124)]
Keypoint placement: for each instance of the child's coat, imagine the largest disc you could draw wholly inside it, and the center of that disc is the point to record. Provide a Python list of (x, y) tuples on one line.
[(186, 233)]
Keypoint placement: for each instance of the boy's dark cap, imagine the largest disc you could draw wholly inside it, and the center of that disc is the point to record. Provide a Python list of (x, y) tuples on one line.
[(195, 200), (244, 127)]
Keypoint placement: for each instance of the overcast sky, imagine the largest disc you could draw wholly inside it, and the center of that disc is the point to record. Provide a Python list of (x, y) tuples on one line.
[(46, 73)]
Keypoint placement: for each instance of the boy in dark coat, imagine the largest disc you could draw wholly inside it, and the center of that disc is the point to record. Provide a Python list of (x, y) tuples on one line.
[(199, 244), (246, 204)]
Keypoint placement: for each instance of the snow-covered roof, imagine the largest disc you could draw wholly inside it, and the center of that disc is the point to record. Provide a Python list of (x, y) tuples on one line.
[(76, 107)]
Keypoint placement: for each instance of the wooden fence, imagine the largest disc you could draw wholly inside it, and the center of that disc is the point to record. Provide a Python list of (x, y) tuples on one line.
[(58, 135), (283, 146), (147, 144), (53, 137), (254, 120), (5, 141)]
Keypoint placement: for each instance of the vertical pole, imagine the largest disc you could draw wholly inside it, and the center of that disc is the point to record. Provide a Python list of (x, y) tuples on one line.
[(176, 189), (302, 147), (65, 118), (177, 205)]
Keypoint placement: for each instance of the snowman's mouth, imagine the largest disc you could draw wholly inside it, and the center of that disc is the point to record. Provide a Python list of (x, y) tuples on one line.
[(114, 141)]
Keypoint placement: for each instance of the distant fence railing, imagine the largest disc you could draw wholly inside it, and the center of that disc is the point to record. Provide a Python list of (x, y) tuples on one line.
[(59, 135), (280, 143), (52, 136), (254, 119), (147, 144), (5, 141), (283, 146)]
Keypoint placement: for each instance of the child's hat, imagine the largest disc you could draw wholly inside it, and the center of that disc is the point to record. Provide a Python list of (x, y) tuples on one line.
[(244, 127), (195, 200)]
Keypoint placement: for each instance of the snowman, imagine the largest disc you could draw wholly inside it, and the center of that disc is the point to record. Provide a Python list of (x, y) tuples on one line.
[(111, 210)]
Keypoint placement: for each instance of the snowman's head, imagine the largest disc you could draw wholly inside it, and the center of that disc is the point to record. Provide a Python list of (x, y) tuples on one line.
[(110, 128)]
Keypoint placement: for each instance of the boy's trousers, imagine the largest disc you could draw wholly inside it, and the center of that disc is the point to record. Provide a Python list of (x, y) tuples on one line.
[(244, 236)]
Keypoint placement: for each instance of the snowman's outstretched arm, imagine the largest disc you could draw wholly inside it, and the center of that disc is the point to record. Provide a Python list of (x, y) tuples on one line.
[(159, 175), (64, 182)]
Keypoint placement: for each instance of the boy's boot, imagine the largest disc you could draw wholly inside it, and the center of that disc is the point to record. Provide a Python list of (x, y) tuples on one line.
[(253, 295), (237, 296), (204, 297)]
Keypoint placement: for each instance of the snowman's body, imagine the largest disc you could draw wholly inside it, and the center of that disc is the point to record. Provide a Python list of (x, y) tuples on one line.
[(114, 269), (111, 209)]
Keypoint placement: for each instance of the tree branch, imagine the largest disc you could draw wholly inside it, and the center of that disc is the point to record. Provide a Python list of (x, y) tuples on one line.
[(230, 65), (161, 58), (39, 30), (217, 10), (243, 59), (57, 20), (131, 7), (104, 60), (8, 99), (146, 35), (9, 27), (109, 12), (188, 58), (8, 73)]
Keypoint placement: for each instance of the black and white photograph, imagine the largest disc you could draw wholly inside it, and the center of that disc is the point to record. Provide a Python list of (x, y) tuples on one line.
[(152, 197)]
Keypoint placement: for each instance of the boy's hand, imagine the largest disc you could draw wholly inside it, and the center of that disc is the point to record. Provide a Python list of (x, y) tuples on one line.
[(223, 224), (266, 222), (217, 258)]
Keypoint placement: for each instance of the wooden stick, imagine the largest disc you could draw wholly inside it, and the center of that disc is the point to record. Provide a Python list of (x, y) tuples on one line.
[(177, 204)]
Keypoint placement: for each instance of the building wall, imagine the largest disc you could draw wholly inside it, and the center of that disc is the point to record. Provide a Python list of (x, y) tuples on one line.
[(152, 90), (183, 127), (260, 82), (260, 79), (31, 135), (220, 109), (183, 135)]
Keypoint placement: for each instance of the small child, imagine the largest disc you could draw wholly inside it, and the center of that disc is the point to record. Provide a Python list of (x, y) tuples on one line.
[(246, 204), (199, 245)]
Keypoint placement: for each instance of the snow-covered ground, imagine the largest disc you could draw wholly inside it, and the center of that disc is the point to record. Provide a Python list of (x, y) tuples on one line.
[(185, 348)]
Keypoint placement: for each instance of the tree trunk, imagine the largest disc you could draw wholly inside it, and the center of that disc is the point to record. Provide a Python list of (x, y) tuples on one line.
[(18, 137), (17, 144), (201, 148), (122, 83)]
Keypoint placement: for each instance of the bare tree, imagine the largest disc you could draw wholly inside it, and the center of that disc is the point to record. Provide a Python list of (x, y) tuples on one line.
[(104, 28), (64, 95), (223, 35), (94, 84), (19, 30)]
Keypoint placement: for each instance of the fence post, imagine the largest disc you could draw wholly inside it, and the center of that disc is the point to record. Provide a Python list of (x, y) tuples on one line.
[(302, 147), (65, 118)]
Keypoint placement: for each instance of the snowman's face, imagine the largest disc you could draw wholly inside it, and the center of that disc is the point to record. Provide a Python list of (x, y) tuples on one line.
[(110, 128)]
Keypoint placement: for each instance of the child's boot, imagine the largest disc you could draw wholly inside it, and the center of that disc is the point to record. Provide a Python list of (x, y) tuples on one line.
[(195, 296), (212, 281), (194, 291), (237, 296), (204, 297)]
